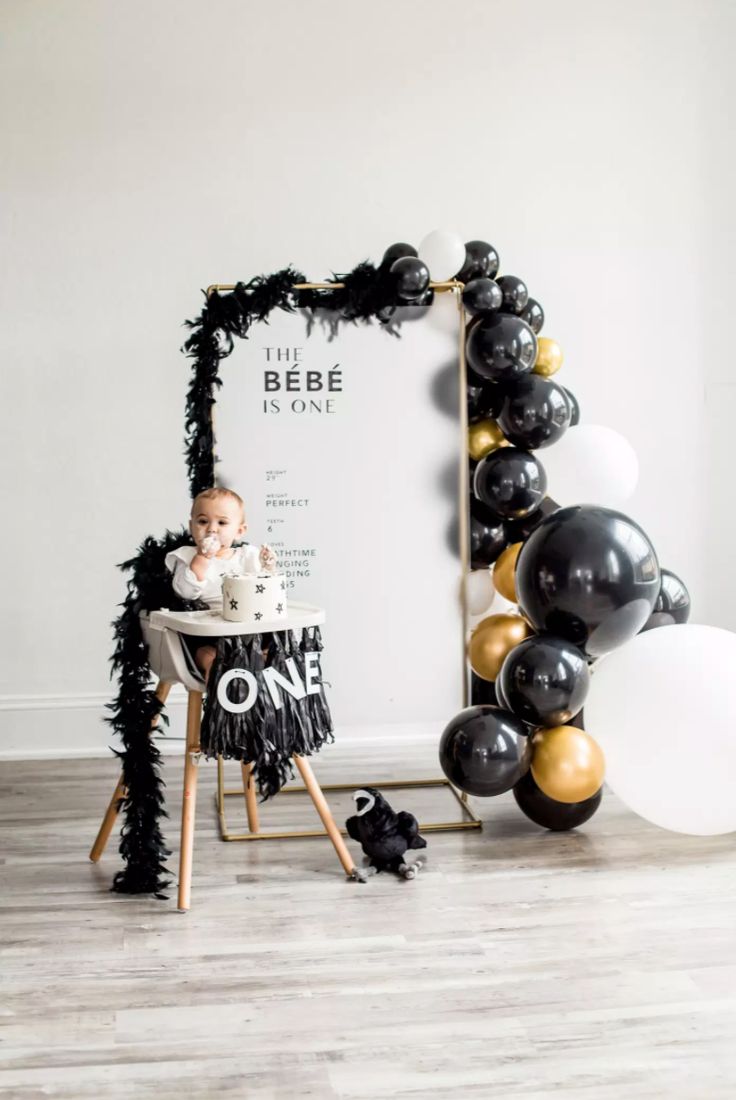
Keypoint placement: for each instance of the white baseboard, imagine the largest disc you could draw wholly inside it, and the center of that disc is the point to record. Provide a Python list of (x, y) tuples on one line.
[(59, 726), (35, 727)]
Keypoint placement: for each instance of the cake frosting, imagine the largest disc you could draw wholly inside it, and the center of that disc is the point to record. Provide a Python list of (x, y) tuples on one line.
[(254, 599)]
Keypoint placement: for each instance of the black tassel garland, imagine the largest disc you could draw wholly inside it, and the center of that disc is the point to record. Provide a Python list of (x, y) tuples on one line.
[(265, 735)]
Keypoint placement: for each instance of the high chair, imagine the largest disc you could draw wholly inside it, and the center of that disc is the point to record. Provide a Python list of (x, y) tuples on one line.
[(171, 662)]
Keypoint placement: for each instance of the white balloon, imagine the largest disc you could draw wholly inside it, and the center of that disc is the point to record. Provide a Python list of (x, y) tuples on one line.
[(663, 709), (443, 253), (591, 464), (480, 591)]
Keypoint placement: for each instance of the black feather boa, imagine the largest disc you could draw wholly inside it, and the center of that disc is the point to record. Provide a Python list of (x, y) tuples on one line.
[(135, 710), (367, 295)]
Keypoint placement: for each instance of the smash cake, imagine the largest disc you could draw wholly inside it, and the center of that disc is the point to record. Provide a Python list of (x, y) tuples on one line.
[(254, 599)]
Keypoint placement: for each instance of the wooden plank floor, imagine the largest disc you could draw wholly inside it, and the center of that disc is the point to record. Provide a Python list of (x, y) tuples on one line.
[(520, 964)]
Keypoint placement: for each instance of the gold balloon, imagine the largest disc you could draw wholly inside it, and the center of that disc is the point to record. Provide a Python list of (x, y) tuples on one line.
[(567, 765), (492, 639), (483, 437), (549, 357), (504, 572)]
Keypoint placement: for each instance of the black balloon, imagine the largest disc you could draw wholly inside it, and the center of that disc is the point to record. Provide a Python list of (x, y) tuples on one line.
[(481, 261), (396, 252), (515, 293), (501, 700), (533, 314), (423, 300), (672, 604), (548, 812), (574, 407), (411, 277), (482, 296), (519, 529), (501, 347), (485, 402), (511, 482), (544, 681), (485, 751), (487, 535), (535, 413), (588, 574), (482, 692)]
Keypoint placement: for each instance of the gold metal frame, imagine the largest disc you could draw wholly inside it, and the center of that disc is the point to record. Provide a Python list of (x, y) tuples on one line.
[(470, 819)]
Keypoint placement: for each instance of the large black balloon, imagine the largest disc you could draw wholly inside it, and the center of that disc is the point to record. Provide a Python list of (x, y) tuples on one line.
[(501, 700), (482, 296), (533, 314), (518, 530), (485, 750), (672, 604), (548, 812), (501, 347), (396, 251), (535, 412), (486, 401), (574, 407), (511, 482), (487, 535), (544, 681), (590, 575), (411, 277), (515, 293), (481, 261)]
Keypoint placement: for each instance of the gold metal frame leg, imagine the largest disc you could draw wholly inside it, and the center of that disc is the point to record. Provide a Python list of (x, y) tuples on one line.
[(189, 799), (113, 809)]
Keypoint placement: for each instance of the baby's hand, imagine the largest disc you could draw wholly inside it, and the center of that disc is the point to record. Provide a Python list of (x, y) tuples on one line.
[(267, 559), (209, 546)]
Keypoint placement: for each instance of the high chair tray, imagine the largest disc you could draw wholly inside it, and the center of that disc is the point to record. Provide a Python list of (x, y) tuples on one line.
[(212, 624)]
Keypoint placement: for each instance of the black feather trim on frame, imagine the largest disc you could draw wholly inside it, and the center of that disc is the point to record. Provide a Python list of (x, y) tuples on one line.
[(368, 294)]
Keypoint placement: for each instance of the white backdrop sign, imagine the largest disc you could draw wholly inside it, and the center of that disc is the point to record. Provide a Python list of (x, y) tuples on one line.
[(345, 452)]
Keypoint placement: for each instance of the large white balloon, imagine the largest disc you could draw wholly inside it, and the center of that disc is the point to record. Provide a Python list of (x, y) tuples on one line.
[(443, 253), (663, 709), (591, 464)]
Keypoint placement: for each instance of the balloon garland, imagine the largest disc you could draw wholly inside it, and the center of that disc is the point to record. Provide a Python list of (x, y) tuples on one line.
[(585, 577)]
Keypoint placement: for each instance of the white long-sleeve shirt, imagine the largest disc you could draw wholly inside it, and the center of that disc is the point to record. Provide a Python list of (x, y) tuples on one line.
[(245, 559)]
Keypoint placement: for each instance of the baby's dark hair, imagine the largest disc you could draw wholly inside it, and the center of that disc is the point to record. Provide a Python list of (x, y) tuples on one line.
[(215, 494)]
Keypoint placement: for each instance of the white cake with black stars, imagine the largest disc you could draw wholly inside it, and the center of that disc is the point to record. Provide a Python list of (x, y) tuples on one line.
[(254, 599)]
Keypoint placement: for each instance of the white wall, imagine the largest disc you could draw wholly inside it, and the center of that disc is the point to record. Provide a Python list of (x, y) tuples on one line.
[(153, 148)]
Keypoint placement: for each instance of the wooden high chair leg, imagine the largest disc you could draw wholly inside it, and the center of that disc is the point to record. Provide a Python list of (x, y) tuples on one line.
[(111, 813), (320, 803), (189, 799), (251, 800)]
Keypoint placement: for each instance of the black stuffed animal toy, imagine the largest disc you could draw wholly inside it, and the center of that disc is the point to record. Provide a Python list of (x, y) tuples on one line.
[(384, 836)]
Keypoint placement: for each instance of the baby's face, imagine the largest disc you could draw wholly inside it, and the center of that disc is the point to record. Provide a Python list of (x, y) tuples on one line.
[(221, 517)]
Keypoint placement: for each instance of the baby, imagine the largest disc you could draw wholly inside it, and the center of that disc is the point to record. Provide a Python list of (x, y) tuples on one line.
[(217, 520)]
